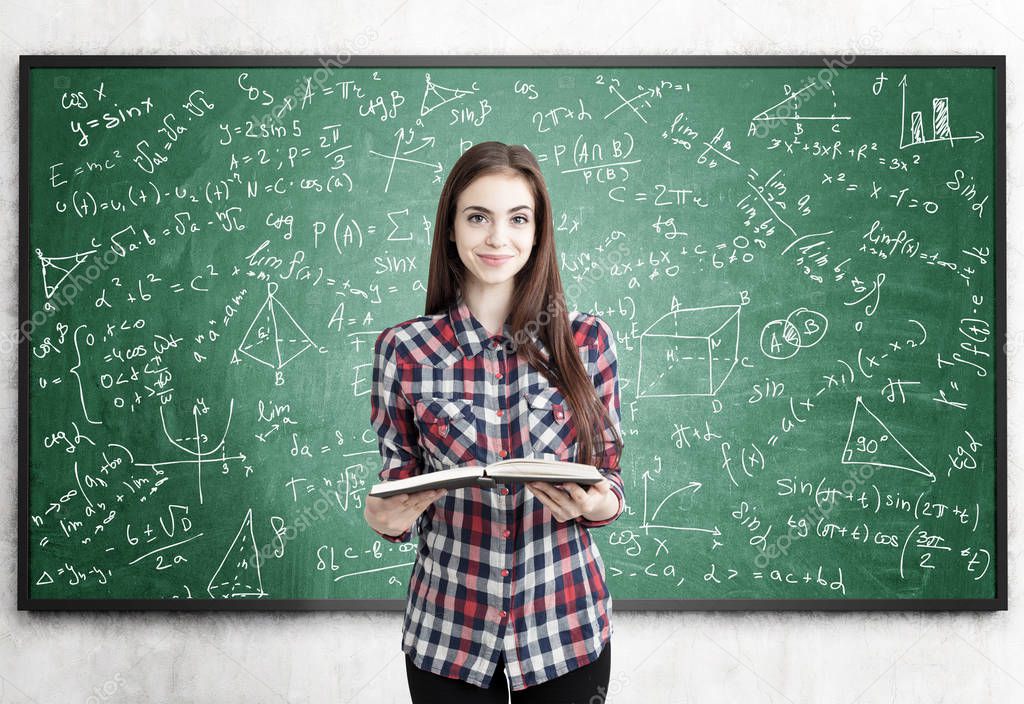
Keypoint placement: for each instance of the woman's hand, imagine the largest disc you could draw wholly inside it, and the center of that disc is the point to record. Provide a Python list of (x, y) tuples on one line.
[(394, 515), (572, 500)]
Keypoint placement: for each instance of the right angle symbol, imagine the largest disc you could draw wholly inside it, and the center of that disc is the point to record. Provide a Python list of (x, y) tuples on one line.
[(871, 442)]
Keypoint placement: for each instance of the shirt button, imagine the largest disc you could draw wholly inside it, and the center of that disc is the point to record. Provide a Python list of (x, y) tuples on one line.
[(504, 573), (498, 375), (503, 613), (507, 533), (503, 453), (504, 490), (500, 412)]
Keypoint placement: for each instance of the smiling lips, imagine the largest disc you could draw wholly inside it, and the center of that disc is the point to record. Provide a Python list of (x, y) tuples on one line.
[(494, 260)]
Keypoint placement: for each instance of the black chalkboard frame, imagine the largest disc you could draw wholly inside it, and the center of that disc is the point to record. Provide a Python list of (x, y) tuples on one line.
[(996, 62)]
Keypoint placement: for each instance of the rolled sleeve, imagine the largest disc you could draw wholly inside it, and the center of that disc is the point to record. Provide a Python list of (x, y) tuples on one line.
[(606, 382), (392, 418)]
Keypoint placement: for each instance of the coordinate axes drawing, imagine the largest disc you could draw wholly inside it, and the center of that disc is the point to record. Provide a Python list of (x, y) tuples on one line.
[(197, 456)]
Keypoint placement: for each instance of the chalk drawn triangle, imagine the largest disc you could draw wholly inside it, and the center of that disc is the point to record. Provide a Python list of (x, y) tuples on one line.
[(439, 95), (871, 442), (54, 267)]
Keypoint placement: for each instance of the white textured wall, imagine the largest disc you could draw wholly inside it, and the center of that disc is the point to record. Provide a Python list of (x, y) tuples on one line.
[(354, 657)]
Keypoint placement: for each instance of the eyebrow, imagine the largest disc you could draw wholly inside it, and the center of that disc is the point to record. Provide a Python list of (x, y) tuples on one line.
[(480, 207)]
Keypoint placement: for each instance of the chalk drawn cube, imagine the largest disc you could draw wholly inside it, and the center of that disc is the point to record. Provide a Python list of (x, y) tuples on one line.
[(689, 352)]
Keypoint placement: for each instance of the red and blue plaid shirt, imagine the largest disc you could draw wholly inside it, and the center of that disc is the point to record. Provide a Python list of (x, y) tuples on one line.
[(495, 571)]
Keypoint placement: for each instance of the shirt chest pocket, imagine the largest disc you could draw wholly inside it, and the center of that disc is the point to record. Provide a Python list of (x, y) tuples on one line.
[(552, 433), (447, 430)]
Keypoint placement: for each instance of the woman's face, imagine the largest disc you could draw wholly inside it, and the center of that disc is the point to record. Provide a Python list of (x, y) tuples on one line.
[(494, 228)]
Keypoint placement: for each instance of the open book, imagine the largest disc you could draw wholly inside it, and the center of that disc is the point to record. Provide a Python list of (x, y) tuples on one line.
[(528, 469)]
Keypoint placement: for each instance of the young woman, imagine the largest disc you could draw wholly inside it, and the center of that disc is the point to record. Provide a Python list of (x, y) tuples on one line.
[(507, 580)]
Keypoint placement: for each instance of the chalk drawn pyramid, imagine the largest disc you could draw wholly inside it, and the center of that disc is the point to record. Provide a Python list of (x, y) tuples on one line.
[(239, 572), (274, 337)]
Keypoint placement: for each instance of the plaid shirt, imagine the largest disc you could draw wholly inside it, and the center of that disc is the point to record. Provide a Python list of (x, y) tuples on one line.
[(495, 572)]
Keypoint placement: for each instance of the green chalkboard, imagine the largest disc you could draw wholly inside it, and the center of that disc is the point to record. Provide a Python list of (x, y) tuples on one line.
[(802, 261)]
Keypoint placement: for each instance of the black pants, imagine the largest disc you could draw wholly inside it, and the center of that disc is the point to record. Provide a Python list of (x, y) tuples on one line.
[(584, 685)]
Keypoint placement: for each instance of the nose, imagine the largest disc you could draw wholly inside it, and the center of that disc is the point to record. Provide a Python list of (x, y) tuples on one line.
[(497, 235)]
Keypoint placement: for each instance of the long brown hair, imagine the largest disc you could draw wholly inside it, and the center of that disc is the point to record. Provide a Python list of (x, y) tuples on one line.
[(537, 289)]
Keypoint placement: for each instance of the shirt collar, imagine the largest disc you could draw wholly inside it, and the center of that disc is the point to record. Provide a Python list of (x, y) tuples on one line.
[(473, 337)]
